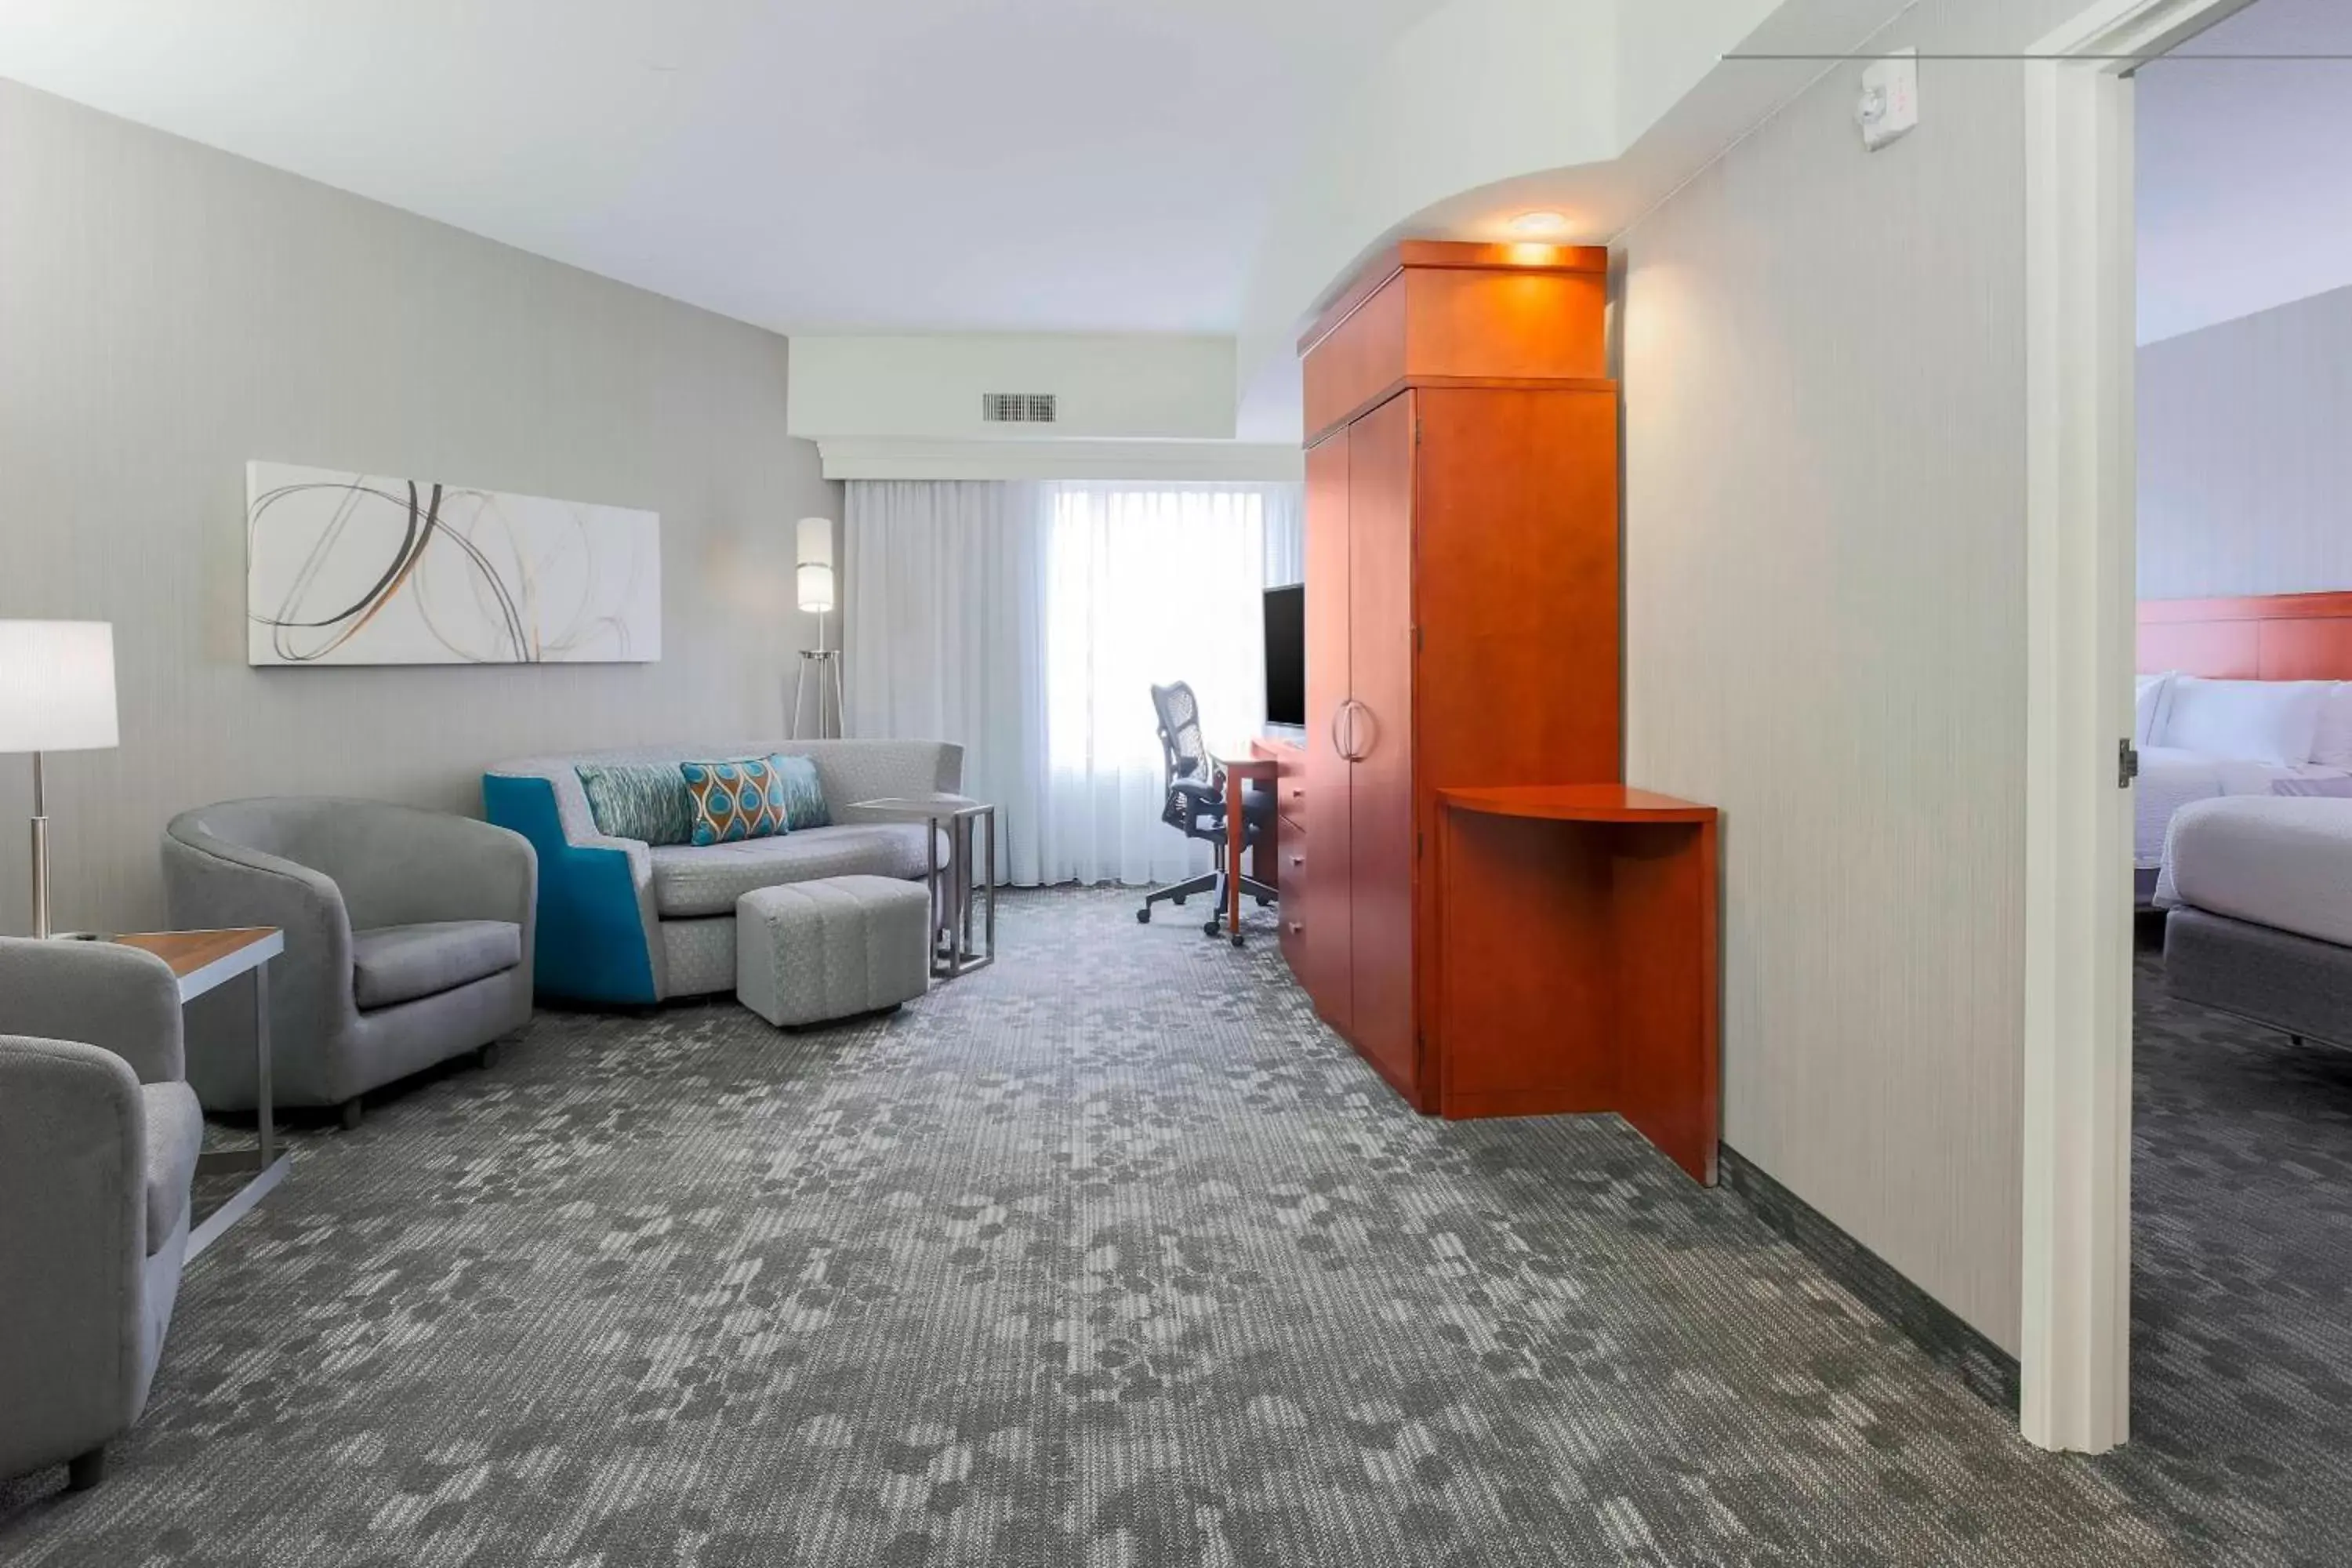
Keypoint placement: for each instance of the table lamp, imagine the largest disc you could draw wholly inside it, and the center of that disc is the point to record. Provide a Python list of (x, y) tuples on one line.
[(56, 694), (813, 581)]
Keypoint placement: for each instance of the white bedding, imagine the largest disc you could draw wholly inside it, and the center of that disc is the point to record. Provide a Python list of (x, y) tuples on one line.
[(2277, 861), (2170, 778)]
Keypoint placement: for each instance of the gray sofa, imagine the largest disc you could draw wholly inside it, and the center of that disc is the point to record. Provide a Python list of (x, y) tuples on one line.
[(98, 1140), (408, 941), (625, 922)]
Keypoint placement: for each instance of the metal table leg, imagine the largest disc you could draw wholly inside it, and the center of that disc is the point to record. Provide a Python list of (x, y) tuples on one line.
[(264, 1157)]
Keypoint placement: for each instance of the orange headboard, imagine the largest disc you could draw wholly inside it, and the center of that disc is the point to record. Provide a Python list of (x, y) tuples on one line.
[(2278, 637)]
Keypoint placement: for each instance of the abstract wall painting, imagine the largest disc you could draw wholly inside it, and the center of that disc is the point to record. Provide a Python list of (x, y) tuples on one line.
[(358, 569)]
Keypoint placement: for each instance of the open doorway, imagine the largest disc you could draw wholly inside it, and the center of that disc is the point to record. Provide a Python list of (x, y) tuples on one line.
[(2241, 1057)]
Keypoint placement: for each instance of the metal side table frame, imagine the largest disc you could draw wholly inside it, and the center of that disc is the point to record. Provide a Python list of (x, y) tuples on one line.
[(957, 903), (203, 962)]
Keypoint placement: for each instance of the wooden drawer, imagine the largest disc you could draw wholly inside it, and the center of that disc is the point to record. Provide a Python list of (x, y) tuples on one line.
[(1293, 939), (1290, 910), (1290, 846)]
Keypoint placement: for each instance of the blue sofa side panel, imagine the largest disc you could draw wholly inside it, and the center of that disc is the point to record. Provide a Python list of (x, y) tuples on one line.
[(591, 946)]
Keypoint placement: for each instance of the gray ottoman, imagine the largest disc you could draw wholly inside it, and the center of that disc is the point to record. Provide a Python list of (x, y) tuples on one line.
[(811, 950)]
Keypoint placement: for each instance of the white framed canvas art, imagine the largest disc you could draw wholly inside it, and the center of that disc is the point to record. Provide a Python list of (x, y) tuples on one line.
[(345, 568)]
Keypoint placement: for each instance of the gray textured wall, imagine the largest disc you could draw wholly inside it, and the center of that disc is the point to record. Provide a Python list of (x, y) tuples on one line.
[(1823, 360), (2245, 454), (170, 311)]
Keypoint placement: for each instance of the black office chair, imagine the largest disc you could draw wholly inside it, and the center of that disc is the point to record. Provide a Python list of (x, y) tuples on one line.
[(1196, 806)]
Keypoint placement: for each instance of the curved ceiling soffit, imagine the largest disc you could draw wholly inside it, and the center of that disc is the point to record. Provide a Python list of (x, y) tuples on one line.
[(1489, 109)]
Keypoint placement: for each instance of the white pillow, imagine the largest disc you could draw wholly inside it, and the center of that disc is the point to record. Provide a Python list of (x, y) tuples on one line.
[(2334, 747), (2273, 721), (2147, 709)]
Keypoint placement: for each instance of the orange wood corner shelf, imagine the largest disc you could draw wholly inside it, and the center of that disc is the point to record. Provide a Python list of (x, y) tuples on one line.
[(1578, 964)]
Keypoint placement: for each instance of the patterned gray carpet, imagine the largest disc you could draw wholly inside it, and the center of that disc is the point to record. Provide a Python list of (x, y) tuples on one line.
[(2242, 1350), (1108, 1256)]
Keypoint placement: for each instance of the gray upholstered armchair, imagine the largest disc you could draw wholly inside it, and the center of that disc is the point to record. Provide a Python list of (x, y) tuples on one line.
[(408, 941), (99, 1139)]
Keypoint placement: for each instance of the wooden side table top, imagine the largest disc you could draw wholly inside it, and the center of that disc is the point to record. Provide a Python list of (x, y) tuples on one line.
[(201, 960), (1577, 803)]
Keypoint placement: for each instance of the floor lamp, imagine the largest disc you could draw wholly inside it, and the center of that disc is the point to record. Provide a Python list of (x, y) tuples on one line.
[(56, 694), (813, 582)]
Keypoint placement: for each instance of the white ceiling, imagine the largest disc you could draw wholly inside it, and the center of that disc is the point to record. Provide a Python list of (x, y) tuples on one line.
[(842, 164), (2246, 169)]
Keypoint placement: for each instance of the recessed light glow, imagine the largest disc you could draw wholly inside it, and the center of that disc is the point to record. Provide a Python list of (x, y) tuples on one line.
[(1540, 223)]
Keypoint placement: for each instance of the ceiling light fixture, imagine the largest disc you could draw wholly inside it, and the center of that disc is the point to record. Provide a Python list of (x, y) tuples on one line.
[(1539, 223)]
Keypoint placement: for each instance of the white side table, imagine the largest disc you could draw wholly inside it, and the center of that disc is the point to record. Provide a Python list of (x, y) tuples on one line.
[(971, 827), (203, 961)]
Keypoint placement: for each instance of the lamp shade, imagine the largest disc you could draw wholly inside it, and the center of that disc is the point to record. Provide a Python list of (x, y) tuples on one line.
[(815, 578), (56, 686), (815, 542)]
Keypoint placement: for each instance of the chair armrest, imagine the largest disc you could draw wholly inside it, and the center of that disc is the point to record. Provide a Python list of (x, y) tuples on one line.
[(213, 884), (72, 1239), (117, 998), (1206, 796), (852, 771), (597, 935)]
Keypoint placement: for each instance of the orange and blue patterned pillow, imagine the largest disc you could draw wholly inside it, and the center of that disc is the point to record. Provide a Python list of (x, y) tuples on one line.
[(735, 800)]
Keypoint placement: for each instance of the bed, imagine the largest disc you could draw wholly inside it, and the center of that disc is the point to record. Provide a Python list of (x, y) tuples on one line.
[(2239, 697), (2258, 895), (2171, 777)]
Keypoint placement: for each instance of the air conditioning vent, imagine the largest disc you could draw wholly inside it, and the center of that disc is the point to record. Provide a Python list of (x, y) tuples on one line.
[(1017, 408)]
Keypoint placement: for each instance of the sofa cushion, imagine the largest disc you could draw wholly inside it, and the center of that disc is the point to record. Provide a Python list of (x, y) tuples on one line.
[(176, 1135), (392, 964), (734, 801), (706, 879), (804, 803), (644, 801)]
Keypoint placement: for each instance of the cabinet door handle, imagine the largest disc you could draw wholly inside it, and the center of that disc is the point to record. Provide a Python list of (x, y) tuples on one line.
[(1336, 715), (1358, 753), (1298, 859)]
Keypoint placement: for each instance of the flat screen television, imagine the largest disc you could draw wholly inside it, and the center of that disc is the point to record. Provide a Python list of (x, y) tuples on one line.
[(1286, 656)]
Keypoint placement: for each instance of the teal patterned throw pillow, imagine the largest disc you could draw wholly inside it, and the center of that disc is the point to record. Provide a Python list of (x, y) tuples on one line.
[(645, 801), (734, 801), (804, 793)]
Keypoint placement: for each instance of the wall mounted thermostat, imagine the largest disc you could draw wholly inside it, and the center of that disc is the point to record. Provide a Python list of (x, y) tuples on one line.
[(1889, 109)]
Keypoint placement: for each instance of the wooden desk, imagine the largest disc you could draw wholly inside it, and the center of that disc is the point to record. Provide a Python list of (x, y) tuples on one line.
[(1241, 770), (201, 961), (1577, 965)]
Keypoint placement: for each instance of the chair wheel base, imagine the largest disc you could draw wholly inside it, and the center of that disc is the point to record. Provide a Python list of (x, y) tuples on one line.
[(1178, 900), (1237, 939), (1143, 916), (1210, 928), (84, 1471), (350, 1112)]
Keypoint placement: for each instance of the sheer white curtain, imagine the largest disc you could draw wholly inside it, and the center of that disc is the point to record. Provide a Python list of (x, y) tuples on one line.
[(1029, 622)]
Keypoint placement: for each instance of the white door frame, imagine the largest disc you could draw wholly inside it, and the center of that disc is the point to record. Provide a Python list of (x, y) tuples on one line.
[(2081, 613)]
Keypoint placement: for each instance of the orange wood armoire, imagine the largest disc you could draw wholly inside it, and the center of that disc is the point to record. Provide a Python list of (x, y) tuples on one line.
[(1462, 601)]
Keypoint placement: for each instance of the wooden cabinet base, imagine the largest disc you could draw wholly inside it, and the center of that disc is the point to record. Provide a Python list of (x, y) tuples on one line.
[(1576, 967)]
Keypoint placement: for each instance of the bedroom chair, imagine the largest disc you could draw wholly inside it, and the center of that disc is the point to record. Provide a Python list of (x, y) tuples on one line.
[(408, 941), (1195, 805), (99, 1139)]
